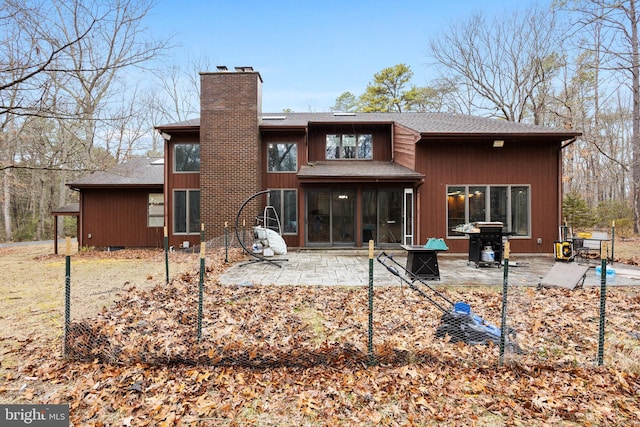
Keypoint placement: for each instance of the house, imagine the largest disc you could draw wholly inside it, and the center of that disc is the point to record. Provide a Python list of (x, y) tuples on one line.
[(341, 179), (122, 207)]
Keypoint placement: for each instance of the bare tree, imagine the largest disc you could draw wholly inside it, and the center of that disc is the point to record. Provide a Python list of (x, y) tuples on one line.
[(96, 63), (617, 21), (68, 63), (29, 50), (176, 96), (505, 63)]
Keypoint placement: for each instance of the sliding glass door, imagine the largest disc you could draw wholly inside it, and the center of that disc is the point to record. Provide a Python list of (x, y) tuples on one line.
[(386, 216), (331, 217)]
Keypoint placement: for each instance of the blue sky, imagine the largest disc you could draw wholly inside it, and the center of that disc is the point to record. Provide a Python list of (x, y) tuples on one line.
[(309, 52)]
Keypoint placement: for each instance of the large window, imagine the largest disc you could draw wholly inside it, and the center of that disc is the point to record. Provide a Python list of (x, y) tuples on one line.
[(508, 204), (155, 217), (349, 146), (186, 157), (282, 157), (186, 211), (285, 202)]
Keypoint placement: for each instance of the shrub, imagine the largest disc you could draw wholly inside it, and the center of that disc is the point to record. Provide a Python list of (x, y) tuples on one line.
[(576, 211), (26, 231), (619, 211), (70, 226)]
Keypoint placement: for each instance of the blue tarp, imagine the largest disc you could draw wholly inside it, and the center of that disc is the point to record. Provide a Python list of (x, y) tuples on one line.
[(436, 244)]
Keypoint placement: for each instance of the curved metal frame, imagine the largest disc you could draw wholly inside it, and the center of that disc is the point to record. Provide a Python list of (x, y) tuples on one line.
[(259, 258)]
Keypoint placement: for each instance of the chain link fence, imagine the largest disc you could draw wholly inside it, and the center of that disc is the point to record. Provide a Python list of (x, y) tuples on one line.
[(193, 319)]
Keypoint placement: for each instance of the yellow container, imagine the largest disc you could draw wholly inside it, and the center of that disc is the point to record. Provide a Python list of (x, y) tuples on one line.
[(562, 251)]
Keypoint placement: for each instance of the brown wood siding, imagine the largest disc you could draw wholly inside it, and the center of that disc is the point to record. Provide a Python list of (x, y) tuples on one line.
[(178, 181), (404, 146), (118, 217), (381, 135), (283, 179), (532, 162), (287, 180)]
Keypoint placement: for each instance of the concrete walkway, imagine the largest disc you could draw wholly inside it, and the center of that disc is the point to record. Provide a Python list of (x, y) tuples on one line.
[(351, 268)]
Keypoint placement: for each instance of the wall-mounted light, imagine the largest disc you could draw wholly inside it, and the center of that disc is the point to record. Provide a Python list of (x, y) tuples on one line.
[(498, 143)]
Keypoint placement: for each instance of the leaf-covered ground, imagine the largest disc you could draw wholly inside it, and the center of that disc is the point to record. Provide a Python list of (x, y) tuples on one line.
[(271, 355)]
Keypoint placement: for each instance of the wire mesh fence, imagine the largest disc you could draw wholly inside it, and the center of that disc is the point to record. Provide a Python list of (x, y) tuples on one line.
[(195, 320), (560, 327)]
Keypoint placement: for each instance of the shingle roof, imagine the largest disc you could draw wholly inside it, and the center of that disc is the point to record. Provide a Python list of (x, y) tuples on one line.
[(69, 209), (183, 124), (361, 170), (428, 124), (424, 123), (135, 172)]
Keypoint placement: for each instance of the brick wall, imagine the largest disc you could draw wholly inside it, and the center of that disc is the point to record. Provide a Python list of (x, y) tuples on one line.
[(230, 150)]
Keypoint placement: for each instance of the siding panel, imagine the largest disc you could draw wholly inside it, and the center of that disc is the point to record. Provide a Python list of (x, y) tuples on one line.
[(526, 162), (180, 181), (118, 217), (381, 139), (404, 146)]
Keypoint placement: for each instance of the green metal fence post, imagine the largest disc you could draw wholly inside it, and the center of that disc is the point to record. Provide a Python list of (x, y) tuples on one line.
[(370, 341), (67, 296), (613, 239), (166, 254), (505, 287), (226, 242), (603, 300), (201, 289)]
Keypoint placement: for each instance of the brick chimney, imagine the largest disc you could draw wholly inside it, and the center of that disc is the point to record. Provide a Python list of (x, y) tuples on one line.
[(231, 159)]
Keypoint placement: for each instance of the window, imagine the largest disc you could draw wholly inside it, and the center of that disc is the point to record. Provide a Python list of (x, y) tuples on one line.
[(349, 146), (365, 146), (508, 204), (186, 157), (282, 157), (155, 216), (520, 210), (285, 203), (186, 211)]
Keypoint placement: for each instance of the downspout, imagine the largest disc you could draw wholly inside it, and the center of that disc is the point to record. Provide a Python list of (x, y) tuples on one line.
[(569, 142)]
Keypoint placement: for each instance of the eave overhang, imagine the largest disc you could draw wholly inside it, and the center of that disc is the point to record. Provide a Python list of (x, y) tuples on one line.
[(358, 171)]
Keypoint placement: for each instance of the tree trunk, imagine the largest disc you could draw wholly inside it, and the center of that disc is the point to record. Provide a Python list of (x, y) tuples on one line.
[(635, 70), (6, 204)]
